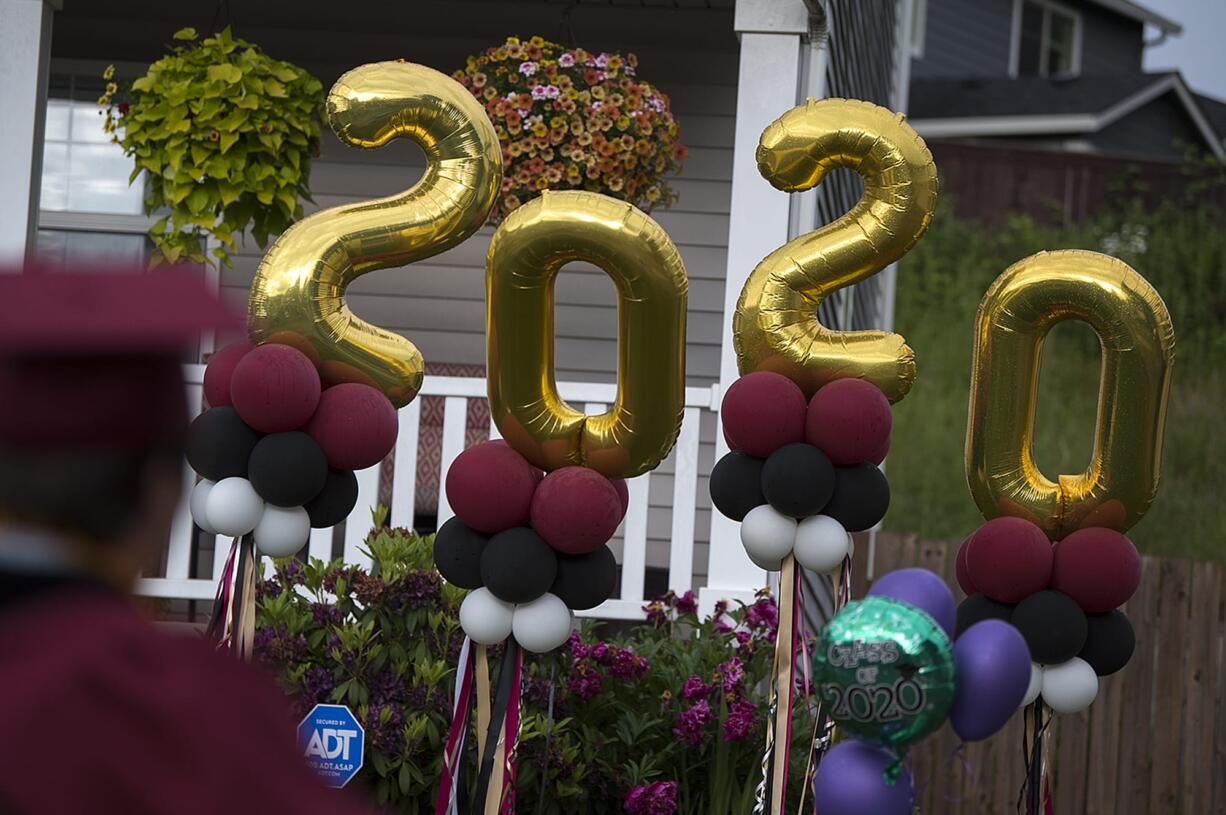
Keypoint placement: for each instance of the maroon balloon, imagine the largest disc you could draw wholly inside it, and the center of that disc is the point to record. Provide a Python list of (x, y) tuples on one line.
[(762, 412), (1097, 567), (490, 487), (355, 425), (850, 421), (623, 493), (576, 510), (220, 369), (1009, 559), (275, 389), (962, 572)]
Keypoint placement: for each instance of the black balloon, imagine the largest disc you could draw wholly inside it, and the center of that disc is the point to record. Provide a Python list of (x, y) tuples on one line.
[(457, 554), (585, 581), (287, 469), (517, 566), (219, 444), (736, 484), (1110, 641), (979, 607), (1053, 624), (335, 501), (798, 480), (861, 496)]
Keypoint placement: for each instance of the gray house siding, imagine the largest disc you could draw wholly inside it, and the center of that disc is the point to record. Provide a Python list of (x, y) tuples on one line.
[(965, 38), (1111, 43), (1160, 129)]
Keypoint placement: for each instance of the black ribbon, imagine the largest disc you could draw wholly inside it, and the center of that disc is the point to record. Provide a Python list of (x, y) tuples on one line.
[(498, 715)]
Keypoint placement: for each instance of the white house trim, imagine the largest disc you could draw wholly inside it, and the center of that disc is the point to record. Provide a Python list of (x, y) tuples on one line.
[(1141, 14)]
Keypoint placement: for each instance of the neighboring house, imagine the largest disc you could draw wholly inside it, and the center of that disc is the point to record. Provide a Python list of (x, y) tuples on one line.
[(1063, 76)]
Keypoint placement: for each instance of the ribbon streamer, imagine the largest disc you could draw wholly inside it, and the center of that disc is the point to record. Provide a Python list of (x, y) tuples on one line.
[(1035, 795), (771, 794), (450, 788), (497, 757), (232, 621)]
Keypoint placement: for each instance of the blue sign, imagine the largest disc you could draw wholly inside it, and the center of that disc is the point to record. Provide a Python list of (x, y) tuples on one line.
[(332, 742)]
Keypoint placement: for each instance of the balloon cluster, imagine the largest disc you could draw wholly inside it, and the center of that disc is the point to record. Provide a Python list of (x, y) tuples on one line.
[(1063, 599), (277, 448), (531, 547), (890, 673), (801, 476)]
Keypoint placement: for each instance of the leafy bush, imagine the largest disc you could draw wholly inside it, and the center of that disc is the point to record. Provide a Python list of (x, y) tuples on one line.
[(569, 119), (225, 134), (671, 712)]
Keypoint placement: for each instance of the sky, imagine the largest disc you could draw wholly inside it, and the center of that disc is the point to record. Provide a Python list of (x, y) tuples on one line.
[(1198, 52)]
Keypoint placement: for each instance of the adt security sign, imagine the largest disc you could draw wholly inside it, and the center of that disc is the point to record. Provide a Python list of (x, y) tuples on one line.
[(332, 742)]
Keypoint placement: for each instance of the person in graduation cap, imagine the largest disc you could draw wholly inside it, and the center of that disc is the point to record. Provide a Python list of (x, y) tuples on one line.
[(99, 711)]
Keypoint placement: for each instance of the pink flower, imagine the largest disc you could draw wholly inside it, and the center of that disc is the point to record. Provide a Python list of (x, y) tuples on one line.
[(732, 674), (742, 716), (628, 665), (527, 68), (566, 60), (602, 60), (690, 723), (552, 92), (538, 92), (695, 688), (657, 798)]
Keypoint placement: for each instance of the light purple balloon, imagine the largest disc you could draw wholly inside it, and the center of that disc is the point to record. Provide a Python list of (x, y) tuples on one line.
[(924, 590), (993, 672), (851, 781)]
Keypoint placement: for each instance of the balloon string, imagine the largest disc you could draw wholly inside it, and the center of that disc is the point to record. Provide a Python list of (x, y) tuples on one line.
[(540, 801), (1029, 797), (445, 803), (219, 619)]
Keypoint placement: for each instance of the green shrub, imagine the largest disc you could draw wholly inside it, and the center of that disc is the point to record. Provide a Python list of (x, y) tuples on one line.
[(675, 701)]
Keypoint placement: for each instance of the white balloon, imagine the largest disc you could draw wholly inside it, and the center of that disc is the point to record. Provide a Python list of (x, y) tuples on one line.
[(282, 531), (200, 495), (543, 624), (821, 543), (1036, 684), (768, 536), (233, 507), (485, 618), (1070, 686)]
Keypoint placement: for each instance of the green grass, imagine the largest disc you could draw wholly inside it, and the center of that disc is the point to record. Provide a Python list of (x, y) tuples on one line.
[(939, 286)]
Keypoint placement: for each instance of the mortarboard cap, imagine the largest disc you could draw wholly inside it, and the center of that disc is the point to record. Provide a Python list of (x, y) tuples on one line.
[(93, 359)]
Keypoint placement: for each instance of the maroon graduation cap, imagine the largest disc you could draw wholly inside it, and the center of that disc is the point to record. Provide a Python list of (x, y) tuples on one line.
[(92, 358)]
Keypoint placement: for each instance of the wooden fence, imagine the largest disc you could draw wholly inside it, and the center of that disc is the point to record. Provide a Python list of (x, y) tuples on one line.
[(1153, 742)]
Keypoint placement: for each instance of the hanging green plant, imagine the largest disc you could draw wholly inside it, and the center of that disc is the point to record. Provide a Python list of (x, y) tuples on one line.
[(225, 135)]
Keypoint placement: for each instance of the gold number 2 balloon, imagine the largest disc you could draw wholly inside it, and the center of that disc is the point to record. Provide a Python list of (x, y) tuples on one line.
[(524, 257), (298, 293), (1134, 330), (775, 327)]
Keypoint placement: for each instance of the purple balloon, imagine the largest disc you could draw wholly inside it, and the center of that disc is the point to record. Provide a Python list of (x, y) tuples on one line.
[(993, 672), (851, 781), (924, 590)]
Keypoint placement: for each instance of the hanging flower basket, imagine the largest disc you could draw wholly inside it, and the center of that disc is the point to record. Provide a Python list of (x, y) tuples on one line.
[(569, 119)]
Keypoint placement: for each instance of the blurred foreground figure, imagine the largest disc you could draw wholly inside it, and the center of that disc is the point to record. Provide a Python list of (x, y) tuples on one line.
[(99, 711)]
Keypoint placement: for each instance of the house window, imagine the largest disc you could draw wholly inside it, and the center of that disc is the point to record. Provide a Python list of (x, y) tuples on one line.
[(1047, 39)]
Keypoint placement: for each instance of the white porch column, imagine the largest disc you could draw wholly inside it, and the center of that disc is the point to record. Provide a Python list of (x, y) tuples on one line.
[(25, 51), (771, 34)]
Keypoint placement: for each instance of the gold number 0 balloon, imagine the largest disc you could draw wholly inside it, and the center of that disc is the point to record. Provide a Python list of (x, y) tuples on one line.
[(775, 327), (526, 252), (1137, 340), (298, 293)]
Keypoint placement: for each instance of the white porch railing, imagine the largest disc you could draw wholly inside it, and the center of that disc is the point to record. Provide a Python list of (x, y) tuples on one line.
[(177, 583)]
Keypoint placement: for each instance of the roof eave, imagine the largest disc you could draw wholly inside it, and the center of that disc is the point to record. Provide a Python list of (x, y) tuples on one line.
[(1141, 14)]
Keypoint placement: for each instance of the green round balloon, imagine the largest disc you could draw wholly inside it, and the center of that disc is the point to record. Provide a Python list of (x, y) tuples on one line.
[(885, 670)]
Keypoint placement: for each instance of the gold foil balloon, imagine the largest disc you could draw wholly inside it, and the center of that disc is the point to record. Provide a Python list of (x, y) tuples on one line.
[(1137, 342), (299, 289), (526, 252), (775, 327)]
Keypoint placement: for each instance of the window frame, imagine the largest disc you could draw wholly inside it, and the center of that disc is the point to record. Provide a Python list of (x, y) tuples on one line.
[(1048, 7)]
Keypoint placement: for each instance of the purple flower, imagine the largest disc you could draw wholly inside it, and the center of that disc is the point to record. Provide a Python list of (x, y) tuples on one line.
[(656, 615), (695, 688), (585, 682), (290, 572), (689, 727), (600, 653), (316, 684), (686, 604), (566, 60), (657, 798), (326, 614), (763, 614), (722, 627), (268, 588), (577, 649), (628, 665), (742, 716), (732, 674)]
